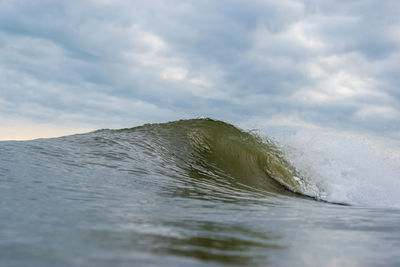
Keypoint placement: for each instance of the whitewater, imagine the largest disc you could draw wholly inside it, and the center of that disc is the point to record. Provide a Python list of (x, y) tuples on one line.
[(199, 192), (345, 168)]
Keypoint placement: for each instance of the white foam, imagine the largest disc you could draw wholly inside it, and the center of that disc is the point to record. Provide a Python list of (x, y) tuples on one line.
[(345, 168)]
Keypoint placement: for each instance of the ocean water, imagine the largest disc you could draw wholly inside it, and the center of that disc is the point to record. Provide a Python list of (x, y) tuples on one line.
[(194, 193)]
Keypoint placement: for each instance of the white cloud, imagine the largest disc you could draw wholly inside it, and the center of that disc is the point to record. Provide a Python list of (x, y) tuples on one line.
[(300, 33), (200, 82), (340, 77), (338, 87), (377, 112), (174, 74)]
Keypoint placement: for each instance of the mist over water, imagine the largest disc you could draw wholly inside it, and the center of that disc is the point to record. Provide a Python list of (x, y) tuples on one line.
[(196, 192)]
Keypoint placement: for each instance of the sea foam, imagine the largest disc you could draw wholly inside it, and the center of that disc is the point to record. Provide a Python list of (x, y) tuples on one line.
[(345, 168)]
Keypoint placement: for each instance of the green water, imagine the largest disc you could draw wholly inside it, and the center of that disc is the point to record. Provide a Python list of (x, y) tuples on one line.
[(187, 193)]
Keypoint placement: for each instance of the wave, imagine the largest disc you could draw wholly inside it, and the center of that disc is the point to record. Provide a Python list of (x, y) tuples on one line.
[(330, 168), (215, 160), (215, 149)]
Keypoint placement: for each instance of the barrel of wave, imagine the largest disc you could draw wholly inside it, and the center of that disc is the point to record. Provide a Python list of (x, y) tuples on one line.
[(243, 155)]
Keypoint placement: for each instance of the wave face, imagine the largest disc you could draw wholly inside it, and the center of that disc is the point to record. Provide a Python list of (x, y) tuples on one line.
[(204, 148), (220, 149)]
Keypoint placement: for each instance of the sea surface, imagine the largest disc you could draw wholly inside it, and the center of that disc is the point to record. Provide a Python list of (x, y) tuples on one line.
[(196, 192)]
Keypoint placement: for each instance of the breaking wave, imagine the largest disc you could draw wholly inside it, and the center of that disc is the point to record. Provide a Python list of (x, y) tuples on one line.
[(215, 149), (221, 160)]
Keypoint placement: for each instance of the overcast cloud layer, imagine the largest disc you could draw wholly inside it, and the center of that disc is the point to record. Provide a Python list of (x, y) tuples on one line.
[(114, 64)]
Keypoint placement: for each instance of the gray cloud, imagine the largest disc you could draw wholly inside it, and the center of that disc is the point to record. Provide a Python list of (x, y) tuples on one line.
[(116, 64)]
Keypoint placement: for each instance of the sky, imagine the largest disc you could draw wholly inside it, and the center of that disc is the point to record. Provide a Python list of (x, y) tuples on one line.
[(75, 66)]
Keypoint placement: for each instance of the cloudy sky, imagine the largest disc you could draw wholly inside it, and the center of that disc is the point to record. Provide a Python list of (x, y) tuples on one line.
[(74, 66)]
